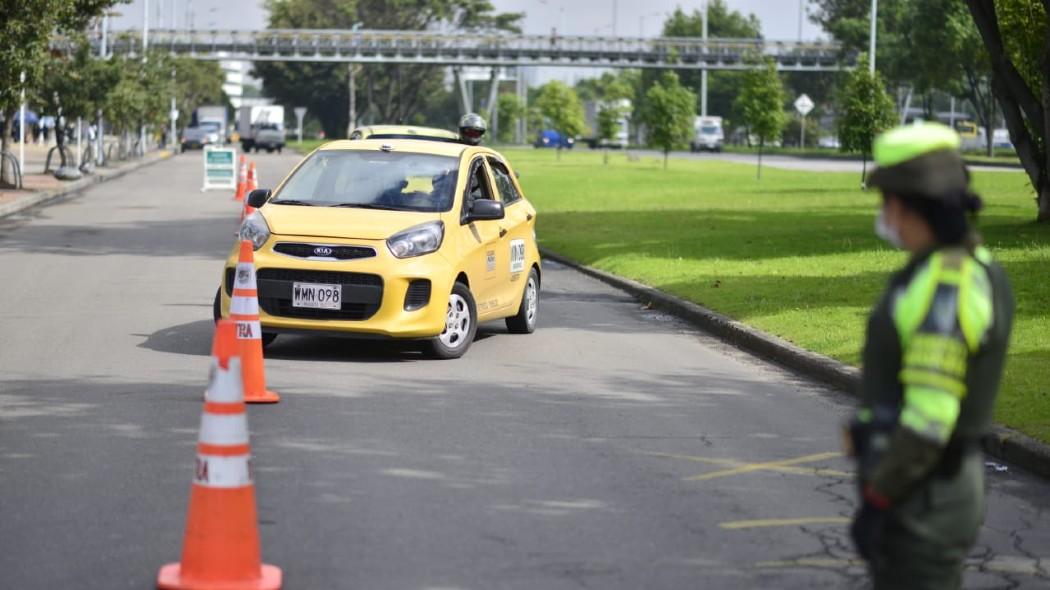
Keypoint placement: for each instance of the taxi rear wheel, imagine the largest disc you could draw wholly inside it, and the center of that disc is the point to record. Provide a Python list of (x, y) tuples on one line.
[(216, 313), (525, 320), (461, 323)]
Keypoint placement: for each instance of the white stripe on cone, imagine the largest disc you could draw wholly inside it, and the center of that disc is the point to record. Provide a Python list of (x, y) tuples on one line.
[(224, 429), (244, 278), (249, 330), (225, 384), (213, 471), (242, 305)]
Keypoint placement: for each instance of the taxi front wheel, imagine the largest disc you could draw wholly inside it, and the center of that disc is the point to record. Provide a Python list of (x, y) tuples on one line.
[(461, 323), (525, 321)]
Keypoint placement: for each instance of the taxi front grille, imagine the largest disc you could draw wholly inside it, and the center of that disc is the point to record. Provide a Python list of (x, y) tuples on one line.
[(362, 293), (324, 251)]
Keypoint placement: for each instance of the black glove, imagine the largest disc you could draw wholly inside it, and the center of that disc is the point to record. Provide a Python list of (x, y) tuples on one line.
[(869, 523)]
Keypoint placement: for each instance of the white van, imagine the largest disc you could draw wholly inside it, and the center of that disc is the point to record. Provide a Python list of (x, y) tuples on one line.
[(707, 134)]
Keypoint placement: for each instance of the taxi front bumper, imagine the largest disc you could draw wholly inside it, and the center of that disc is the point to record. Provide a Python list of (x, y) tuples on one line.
[(381, 295)]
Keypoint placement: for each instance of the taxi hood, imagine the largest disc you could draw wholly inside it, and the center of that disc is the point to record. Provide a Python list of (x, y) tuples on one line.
[(341, 222)]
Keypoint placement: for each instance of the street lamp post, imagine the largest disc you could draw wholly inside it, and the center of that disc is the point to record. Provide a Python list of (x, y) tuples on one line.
[(704, 72), (22, 124), (145, 48), (174, 114), (871, 46)]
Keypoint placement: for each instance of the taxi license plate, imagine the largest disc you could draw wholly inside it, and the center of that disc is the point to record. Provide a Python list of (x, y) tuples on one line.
[(317, 296)]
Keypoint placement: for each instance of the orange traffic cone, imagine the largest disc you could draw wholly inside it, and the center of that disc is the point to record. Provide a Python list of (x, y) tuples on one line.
[(244, 309), (242, 180), (246, 210), (253, 179), (221, 545)]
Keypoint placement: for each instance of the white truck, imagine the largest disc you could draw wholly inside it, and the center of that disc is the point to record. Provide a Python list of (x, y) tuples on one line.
[(215, 115), (591, 109), (707, 134), (261, 128)]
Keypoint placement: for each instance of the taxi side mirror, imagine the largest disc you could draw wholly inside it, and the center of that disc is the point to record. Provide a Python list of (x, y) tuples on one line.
[(486, 210), (258, 197)]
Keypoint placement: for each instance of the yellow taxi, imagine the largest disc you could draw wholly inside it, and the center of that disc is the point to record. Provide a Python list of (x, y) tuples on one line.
[(396, 238), (404, 132)]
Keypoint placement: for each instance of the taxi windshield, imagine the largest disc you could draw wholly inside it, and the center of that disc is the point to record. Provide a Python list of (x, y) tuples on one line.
[(373, 180)]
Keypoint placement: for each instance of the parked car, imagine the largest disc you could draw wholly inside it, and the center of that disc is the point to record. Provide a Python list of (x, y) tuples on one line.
[(394, 238), (550, 138)]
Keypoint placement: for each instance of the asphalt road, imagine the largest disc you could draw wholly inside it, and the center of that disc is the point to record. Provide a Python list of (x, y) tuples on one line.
[(614, 448)]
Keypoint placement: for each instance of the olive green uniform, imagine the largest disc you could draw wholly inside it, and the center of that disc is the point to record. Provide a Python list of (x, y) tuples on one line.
[(933, 359)]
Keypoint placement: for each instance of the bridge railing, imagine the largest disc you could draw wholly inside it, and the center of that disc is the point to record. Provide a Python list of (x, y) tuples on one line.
[(483, 48)]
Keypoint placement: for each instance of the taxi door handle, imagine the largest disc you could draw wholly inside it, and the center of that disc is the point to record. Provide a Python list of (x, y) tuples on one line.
[(502, 232)]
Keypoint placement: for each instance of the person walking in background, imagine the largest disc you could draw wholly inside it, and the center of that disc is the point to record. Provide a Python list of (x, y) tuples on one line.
[(933, 359)]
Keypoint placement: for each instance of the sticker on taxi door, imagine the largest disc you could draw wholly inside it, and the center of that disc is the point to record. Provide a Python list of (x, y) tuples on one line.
[(517, 255)]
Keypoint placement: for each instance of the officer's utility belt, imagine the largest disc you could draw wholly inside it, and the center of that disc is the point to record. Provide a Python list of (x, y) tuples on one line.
[(952, 458)]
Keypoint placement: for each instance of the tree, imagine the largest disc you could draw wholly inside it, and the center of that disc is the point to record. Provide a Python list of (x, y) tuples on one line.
[(722, 87), (849, 22), (511, 110), (197, 83), (386, 93), (865, 111), (611, 95), (562, 109), (669, 114), (28, 25), (761, 105), (1015, 35), (937, 28)]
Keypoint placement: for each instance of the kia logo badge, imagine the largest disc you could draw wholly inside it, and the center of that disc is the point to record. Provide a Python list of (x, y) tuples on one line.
[(322, 251)]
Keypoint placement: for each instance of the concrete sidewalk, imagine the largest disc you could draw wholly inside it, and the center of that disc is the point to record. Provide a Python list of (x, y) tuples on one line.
[(41, 188)]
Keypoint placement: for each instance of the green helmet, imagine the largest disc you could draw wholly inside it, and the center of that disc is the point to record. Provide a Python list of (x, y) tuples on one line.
[(920, 160)]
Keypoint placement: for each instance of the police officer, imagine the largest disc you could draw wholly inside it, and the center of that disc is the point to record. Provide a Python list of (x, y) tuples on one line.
[(933, 359)]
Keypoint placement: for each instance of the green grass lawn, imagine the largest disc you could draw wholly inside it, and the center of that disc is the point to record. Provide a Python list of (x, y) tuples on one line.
[(307, 146), (1001, 156), (793, 254)]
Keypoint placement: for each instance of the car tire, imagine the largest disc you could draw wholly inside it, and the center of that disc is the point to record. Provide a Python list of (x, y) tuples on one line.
[(524, 322), (461, 324), (216, 312)]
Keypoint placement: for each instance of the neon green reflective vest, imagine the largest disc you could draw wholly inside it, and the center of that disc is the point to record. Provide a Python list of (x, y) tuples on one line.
[(936, 344)]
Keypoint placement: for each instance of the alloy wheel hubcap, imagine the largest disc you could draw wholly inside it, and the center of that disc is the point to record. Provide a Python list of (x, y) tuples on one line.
[(457, 322), (530, 302)]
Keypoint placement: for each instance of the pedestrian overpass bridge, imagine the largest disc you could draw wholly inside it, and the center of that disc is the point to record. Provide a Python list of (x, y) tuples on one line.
[(479, 49)]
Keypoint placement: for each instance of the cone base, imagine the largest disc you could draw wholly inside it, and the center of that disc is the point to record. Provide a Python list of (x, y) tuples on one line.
[(170, 578), (267, 397)]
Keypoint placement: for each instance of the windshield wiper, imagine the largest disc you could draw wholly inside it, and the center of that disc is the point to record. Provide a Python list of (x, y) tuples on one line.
[(292, 202), (368, 206)]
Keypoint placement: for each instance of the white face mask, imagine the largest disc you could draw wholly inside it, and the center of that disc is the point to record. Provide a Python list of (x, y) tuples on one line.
[(887, 232)]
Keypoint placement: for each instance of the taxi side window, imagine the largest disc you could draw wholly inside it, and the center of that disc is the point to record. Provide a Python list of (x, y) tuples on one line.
[(477, 187), (507, 191)]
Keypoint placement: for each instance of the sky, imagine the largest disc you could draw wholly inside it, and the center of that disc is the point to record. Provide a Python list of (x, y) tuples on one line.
[(780, 18)]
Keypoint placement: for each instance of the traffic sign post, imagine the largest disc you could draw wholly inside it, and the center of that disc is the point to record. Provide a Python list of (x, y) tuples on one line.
[(300, 112), (803, 105), (220, 168)]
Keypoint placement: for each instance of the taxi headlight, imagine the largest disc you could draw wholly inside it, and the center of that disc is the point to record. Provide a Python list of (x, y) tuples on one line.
[(254, 228), (417, 241)]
